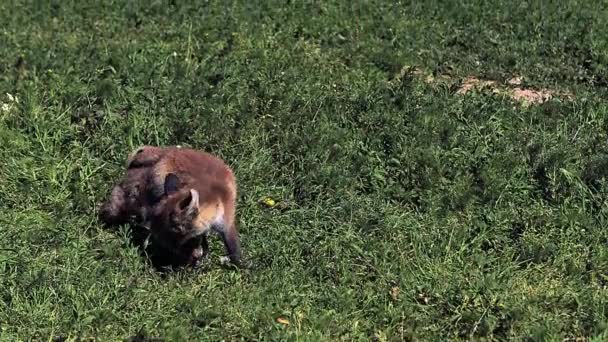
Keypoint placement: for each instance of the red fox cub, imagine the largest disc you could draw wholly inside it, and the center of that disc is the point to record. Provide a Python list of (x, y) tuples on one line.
[(180, 195)]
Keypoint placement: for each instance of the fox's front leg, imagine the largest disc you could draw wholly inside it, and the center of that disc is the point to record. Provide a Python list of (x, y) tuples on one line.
[(229, 233), (205, 246), (232, 245), (200, 253)]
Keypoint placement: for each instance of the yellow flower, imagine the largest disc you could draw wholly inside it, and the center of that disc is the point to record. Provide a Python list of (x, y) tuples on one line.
[(269, 202), (283, 321)]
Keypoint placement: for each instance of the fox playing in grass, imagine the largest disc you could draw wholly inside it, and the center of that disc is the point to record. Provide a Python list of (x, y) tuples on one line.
[(180, 195)]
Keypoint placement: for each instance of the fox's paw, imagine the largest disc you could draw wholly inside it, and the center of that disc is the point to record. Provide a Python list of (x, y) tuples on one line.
[(226, 261)]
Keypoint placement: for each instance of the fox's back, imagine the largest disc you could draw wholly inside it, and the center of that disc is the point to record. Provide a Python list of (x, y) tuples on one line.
[(208, 174)]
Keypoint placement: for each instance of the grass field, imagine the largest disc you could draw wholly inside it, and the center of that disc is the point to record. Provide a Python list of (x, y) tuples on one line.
[(405, 210)]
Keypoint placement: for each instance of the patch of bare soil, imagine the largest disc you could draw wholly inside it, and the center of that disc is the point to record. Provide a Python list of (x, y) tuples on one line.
[(470, 83), (530, 95), (512, 88)]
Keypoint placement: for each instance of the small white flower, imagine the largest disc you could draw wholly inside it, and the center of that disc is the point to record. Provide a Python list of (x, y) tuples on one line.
[(6, 107)]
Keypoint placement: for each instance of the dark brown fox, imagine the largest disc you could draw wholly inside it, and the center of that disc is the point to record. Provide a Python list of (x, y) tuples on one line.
[(180, 195)]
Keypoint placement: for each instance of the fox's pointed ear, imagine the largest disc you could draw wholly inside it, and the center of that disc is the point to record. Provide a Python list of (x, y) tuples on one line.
[(171, 183), (190, 203)]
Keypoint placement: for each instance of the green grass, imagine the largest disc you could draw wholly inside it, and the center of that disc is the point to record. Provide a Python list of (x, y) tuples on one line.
[(488, 216)]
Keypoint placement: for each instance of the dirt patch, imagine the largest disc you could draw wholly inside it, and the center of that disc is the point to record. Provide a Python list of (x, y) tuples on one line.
[(532, 96), (512, 88), (471, 83), (515, 81)]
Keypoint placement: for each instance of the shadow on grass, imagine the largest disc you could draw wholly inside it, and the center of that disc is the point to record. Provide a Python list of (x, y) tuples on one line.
[(163, 260)]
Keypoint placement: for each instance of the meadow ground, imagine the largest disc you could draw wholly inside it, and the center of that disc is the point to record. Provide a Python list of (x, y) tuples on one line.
[(407, 209)]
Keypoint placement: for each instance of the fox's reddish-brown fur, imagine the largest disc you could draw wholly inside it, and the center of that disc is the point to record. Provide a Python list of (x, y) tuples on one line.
[(181, 195)]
